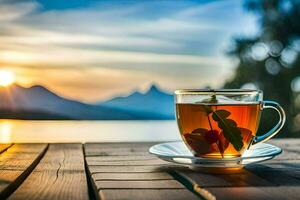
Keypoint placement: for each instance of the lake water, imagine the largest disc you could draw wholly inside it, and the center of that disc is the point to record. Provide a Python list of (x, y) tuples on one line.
[(87, 131)]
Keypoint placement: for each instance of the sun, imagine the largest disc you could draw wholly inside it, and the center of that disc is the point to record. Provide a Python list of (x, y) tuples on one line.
[(7, 78)]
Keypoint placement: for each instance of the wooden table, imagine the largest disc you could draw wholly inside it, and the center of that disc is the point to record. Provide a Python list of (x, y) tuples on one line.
[(127, 171)]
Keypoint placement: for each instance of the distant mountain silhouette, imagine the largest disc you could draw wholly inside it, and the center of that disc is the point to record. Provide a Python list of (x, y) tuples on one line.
[(37, 102), (153, 101), (30, 115)]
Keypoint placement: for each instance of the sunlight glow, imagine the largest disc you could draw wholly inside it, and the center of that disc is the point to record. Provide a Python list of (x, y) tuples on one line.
[(6, 78), (5, 132)]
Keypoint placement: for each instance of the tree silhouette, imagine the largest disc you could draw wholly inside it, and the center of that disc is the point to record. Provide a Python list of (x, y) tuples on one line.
[(270, 61)]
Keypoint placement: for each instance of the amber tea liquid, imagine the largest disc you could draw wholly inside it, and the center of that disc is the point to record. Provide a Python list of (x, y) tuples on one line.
[(201, 130)]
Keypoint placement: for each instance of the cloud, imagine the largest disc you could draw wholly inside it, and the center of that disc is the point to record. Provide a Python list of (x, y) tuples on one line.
[(180, 45), (11, 11), (111, 26), (67, 57), (38, 37)]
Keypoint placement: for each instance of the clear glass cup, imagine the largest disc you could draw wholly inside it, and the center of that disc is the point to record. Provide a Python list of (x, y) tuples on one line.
[(222, 123)]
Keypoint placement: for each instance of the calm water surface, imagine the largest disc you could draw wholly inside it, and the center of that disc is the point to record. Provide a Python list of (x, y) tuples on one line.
[(87, 131)]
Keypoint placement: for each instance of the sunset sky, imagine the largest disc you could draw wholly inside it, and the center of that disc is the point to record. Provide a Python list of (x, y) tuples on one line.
[(91, 50)]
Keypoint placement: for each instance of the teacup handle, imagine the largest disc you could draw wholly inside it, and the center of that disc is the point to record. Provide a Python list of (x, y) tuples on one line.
[(277, 127)]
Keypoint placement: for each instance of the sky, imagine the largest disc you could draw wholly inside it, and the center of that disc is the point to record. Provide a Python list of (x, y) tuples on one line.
[(92, 50)]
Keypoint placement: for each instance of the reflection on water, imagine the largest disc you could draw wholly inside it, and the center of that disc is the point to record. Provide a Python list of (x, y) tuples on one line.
[(5, 131), (87, 131)]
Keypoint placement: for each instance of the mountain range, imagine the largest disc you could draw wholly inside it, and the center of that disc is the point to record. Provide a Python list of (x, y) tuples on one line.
[(38, 102), (153, 101)]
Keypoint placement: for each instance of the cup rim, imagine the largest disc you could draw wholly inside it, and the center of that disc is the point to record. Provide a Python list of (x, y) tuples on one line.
[(216, 91)]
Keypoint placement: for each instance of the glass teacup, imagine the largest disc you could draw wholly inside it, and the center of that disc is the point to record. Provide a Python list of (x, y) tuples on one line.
[(222, 123)]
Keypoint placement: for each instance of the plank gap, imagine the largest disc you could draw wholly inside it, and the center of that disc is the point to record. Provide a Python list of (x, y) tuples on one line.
[(59, 175), (7, 191), (5, 147), (92, 188)]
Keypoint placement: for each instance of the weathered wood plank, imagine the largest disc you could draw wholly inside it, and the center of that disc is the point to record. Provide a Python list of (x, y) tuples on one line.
[(116, 145), (120, 158), (279, 177), (126, 163), (237, 193), (16, 163), (59, 175), (119, 174), (257, 193), (113, 168), (130, 169), (117, 149), (147, 194), (124, 152), (236, 179), (4, 147), (244, 178), (137, 184), (132, 176), (283, 192), (259, 181)]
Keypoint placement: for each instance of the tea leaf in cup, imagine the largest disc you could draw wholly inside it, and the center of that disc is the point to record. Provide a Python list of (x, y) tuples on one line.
[(229, 122), (229, 127), (222, 143), (212, 136), (200, 130), (220, 114), (197, 141)]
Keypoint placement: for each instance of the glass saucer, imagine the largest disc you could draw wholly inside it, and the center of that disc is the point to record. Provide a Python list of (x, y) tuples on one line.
[(177, 152)]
